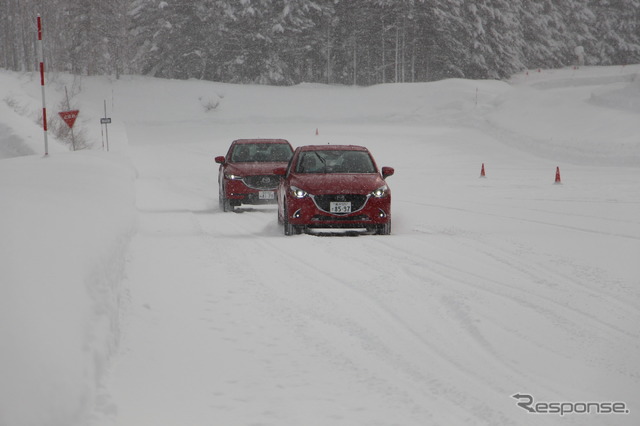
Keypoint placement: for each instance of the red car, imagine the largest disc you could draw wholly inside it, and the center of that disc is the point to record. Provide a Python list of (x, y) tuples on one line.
[(334, 186), (246, 173)]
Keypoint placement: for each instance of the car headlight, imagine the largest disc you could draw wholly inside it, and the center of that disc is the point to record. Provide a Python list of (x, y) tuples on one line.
[(297, 192), (380, 192), (232, 177)]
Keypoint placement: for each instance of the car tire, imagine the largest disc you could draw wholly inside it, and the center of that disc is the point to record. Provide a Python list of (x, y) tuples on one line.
[(384, 229), (289, 229), (225, 204)]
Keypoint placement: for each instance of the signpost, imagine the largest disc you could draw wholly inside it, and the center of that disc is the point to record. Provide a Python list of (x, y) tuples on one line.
[(106, 121), (69, 117)]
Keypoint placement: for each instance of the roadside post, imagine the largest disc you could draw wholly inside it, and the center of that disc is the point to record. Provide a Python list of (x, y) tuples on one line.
[(106, 121), (44, 104)]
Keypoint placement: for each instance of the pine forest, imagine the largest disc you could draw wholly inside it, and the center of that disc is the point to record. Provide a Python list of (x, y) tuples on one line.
[(285, 42)]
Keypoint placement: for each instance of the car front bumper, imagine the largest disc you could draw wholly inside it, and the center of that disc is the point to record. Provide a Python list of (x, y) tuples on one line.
[(238, 191), (306, 212)]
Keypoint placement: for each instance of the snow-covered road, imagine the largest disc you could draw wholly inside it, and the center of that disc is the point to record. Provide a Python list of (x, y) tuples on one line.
[(487, 288)]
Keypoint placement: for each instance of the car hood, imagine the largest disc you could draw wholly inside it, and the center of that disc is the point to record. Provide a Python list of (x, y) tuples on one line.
[(338, 183), (253, 169)]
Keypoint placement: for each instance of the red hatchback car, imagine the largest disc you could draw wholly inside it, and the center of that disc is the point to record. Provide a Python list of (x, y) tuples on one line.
[(246, 173), (334, 186)]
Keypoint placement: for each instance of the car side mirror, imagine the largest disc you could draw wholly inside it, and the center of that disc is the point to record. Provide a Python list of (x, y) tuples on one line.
[(280, 171), (387, 171), (220, 160)]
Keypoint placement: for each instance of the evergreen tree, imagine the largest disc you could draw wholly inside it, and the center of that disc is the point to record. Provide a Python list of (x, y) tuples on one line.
[(446, 38), (544, 41), (617, 30), (167, 32), (579, 22), (359, 42)]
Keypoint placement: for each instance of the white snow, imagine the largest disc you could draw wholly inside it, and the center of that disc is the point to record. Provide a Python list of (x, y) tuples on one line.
[(128, 298)]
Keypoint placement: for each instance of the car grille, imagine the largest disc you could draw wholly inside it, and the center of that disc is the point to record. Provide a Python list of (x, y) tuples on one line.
[(262, 181), (324, 201)]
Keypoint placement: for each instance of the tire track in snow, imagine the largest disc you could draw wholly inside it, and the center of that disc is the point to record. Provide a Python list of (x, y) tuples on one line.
[(454, 303), (538, 275), (522, 219), (576, 322), (312, 323), (313, 319), (305, 323), (379, 347), (534, 273)]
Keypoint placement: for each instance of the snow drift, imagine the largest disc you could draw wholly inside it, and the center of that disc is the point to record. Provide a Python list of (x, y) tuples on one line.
[(65, 225)]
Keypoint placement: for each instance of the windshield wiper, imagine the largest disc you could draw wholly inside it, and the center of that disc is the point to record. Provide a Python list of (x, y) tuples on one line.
[(324, 162)]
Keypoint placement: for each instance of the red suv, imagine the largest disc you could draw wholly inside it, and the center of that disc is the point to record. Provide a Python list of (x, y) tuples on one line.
[(334, 186), (246, 174)]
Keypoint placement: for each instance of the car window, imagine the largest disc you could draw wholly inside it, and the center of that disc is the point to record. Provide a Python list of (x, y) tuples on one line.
[(338, 161), (261, 152)]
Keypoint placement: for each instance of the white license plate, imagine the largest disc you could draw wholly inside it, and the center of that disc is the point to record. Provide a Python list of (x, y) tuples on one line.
[(266, 195), (340, 207)]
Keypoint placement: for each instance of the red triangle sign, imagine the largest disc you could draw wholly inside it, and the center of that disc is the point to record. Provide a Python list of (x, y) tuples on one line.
[(69, 117)]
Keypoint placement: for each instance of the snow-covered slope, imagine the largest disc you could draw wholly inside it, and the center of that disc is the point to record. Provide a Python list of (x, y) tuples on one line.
[(128, 298), (65, 226)]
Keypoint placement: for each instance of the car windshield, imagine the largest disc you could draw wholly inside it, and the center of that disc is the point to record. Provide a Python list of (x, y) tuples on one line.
[(261, 152), (338, 161)]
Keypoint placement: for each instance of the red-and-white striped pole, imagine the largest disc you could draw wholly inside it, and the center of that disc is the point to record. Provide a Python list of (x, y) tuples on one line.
[(44, 104)]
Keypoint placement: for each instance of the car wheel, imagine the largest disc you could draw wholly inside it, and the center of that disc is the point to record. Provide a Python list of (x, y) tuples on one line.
[(384, 229), (289, 229), (225, 204)]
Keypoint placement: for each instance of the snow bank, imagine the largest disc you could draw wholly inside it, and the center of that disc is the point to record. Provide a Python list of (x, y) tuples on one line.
[(21, 112), (12, 145), (65, 222), (581, 116)]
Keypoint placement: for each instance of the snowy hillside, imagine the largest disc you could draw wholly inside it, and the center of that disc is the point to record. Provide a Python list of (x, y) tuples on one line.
[(128, 298)]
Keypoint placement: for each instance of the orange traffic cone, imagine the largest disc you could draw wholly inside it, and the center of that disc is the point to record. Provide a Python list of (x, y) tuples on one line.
[(482, 174), (558, 181)]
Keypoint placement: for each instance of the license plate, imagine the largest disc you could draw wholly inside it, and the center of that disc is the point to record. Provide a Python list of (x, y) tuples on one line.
[(266, 195), (340, 207)]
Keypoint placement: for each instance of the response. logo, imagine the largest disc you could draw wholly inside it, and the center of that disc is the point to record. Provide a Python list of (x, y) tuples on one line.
[(527, 403)]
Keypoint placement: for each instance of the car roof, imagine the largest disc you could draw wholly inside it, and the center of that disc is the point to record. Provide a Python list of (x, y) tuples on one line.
[(243, 141), (332, 148)]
